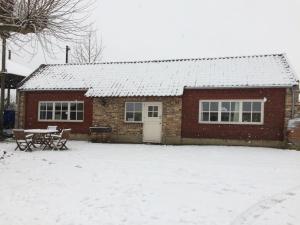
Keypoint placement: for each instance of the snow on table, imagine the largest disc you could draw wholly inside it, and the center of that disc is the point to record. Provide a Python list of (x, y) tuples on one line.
[(149, 184)]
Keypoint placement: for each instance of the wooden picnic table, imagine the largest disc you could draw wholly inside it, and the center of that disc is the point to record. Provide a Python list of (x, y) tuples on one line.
[(41, 136)]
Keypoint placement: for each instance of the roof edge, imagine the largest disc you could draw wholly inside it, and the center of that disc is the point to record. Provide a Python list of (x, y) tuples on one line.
[(166, 60), (31, 75), (292, 70), (239, 87)]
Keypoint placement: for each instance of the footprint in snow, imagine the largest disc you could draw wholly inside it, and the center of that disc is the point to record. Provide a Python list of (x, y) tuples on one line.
[(78, 166)]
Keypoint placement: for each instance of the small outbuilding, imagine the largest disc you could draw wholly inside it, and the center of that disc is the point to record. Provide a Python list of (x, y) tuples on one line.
[(230, 100)]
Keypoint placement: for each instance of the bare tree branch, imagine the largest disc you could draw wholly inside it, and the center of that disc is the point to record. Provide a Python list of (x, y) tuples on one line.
[(45, 21), (88, 50)]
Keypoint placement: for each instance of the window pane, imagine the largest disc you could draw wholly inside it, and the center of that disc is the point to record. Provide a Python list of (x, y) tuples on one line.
[(73, 116), (49, 106), (224, 117), (234, 117), (57, 115), (150, 108), (246, 117), (129, 116), (256, 117), (43, 106), (80, 116), (155, 114), (42, 115), (80, 106), (57, 106), (129, 107), (214, 106), (149, 114), (205, 106), (64, 106), (235, 106), (256, 106), (213, 116), (138, 116), (225, 106), (155, 108), (138, 106), (64, 116), (73, 106), (247, 106), (205, 116), (49, 115)]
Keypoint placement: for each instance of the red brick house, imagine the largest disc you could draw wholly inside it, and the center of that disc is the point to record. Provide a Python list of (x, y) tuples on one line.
[(232, 100)]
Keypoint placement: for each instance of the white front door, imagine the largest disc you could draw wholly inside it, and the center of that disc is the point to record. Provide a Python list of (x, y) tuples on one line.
[(152, 118)]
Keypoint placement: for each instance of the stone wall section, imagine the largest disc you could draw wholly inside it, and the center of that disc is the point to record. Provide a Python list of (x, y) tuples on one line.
[(111, 112), (289, 103)]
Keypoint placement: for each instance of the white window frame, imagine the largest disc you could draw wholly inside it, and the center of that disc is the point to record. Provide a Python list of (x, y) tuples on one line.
[(240, 111), (53, 111), (126, 121)]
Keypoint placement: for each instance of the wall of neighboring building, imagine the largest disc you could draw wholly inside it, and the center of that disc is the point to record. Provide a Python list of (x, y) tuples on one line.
[(27, 112), (275, 115), (111, 112)]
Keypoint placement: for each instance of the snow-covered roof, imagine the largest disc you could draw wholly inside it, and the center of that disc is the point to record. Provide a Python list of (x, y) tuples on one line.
[(164, 77), (16, 68)]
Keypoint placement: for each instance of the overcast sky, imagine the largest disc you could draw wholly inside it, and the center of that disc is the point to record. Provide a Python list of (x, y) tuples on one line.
[(163, 29)]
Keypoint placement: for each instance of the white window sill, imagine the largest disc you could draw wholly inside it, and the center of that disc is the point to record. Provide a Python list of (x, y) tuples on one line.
[(62, 121), (230, 123)]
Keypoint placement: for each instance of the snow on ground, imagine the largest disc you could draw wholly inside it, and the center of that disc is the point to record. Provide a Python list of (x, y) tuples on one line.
[(118, 184)]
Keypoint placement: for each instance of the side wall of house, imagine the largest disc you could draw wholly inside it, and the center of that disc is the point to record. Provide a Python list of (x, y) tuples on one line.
[(276, 112), (20, 111), (111, 112), (28, 110)]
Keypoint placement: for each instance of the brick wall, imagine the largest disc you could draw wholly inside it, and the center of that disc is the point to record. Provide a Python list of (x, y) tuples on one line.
[(28, 109), (111, 112), (20, 111), (275, 114)]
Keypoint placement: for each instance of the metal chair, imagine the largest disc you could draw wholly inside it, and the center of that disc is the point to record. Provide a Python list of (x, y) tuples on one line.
[(24, 142), (59, 141)]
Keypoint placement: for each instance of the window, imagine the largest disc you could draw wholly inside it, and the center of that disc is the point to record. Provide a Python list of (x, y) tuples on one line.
[(133, 111), (210, 111), (152, 111), (76, 111), (46, 111), (231, 111), (61, 111), (252, 112)]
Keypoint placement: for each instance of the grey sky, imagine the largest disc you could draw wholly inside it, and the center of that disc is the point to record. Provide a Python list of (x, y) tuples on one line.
[(162, 29)]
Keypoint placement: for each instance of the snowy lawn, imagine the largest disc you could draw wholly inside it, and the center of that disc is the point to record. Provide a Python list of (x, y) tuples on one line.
[(114, 184)]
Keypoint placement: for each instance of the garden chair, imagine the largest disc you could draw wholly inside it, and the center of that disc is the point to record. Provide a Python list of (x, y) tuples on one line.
[(48, 137), (24, 142), (59, 141), (52, 128)]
